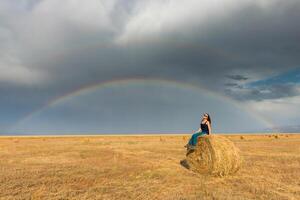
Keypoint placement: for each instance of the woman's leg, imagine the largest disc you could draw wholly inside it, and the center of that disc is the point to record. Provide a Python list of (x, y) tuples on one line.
[(193, 140)]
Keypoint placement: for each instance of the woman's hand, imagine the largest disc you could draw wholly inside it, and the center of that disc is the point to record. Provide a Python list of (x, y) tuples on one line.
[(199, 130)]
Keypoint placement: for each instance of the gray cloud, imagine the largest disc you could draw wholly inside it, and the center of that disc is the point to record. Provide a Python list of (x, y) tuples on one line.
[(237, 77), (232, 85), (259, 93), (50, 47), (261, 40)]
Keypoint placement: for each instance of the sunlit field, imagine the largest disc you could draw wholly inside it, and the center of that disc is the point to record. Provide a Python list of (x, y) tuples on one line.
[(143, 167)]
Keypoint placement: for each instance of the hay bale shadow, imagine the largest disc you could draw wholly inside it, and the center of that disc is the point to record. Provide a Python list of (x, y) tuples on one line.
[(184, 164)]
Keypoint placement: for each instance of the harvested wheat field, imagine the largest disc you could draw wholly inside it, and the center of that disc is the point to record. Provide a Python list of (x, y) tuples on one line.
[(143, 167)]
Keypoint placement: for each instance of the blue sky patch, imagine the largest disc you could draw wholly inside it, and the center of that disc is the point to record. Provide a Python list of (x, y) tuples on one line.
[(289, 77)]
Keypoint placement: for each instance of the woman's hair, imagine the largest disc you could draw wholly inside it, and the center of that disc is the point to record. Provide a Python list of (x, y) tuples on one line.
[(208, 118)]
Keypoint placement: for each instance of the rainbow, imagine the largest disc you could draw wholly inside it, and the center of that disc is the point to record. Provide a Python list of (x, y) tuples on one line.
[(138, 81)]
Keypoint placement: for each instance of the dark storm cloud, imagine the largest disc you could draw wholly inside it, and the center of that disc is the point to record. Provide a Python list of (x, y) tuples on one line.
[(50, 47), (252, 38), (256, 41), (232, 85), (237, 77)]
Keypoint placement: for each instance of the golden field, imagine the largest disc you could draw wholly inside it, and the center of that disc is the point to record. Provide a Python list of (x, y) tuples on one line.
[(143, 167)]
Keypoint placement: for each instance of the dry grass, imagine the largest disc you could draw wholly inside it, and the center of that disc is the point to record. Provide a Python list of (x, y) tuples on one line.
[(215, 155), (142, 167)]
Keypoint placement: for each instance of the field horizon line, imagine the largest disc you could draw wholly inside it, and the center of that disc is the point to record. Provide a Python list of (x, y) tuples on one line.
[(138, 134)]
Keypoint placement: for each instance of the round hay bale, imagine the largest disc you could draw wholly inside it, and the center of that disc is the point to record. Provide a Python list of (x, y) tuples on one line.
[(214, 155)]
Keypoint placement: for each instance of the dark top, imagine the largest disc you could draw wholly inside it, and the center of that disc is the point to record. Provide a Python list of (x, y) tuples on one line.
[(204, 128)]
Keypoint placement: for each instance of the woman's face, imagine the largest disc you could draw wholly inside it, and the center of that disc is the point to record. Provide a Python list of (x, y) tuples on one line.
[(205, 116)]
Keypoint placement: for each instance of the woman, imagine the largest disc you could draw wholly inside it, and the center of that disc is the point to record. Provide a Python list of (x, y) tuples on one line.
[(205, 128)]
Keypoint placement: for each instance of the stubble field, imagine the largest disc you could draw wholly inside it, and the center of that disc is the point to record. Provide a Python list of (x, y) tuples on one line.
[(143, 167)]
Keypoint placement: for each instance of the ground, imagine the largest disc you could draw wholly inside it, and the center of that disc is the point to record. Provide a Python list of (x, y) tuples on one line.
[(143, 167)]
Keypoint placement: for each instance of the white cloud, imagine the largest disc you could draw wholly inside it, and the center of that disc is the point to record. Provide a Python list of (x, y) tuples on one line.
[(56, 25), (282, 111), (42, 31), (88, 15), (12, 71), (151, 19)]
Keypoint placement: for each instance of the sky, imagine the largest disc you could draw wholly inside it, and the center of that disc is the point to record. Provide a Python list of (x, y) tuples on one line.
[(128, 66)]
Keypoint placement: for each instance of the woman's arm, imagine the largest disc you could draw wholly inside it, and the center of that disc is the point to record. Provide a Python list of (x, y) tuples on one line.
[(209, 127)]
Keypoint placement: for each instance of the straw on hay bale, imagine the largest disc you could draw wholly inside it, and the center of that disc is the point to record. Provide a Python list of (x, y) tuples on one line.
[(214, 155)]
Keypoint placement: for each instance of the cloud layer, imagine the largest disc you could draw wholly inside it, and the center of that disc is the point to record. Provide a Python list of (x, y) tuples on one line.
[(49, 47)]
